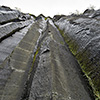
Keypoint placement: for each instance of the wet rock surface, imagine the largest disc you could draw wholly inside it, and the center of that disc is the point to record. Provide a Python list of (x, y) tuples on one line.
[(35, 60)]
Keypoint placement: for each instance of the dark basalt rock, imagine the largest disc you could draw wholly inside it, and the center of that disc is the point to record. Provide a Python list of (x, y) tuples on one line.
[(88, 12), (12, 30), (92, 13), (5, 8), (57, 17), (82, 35), (36, 60)]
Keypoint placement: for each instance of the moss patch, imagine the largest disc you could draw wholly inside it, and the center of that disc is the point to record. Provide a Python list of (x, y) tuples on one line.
[(32, 15), (91, 71), (46, 18), (71, 43), (34, 58)]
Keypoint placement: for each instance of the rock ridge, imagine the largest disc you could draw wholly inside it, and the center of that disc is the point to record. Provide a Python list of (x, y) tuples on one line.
[(44, 58)]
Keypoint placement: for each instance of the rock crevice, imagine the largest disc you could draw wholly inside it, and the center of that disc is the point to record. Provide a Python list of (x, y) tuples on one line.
[(36, 60)]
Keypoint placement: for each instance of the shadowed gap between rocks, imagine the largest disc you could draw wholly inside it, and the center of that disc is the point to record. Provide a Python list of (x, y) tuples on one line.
[(10, 34), (36, 58), (34, 64), (12, 20)]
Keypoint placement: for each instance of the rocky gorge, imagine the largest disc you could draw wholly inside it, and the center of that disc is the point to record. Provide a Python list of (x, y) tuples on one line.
[(43, 58)]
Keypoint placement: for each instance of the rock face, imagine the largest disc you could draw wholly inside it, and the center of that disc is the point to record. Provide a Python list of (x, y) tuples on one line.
[(82, 34), (12, 30), (36, 62)]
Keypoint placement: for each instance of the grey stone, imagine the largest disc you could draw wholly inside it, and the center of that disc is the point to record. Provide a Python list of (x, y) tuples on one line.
[(56, 76), (85, 32), (35, 61), (8, 16)]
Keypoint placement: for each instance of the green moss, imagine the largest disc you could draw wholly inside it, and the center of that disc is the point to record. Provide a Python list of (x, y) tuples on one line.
[(61, 42), (88, 67), (32, 15), (46, 18), (34, 58), (71, 43)]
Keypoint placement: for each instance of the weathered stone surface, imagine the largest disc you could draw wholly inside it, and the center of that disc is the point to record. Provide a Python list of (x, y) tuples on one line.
[(5, 8), (8, 16), (82, 35), (35, 61), (57, 74), (10, 28), (12, 31), (17, 62), (92, 13), (8, 44)]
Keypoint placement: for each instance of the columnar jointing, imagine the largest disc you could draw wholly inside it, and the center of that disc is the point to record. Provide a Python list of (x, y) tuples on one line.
[(57, 76), (41, 67)]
